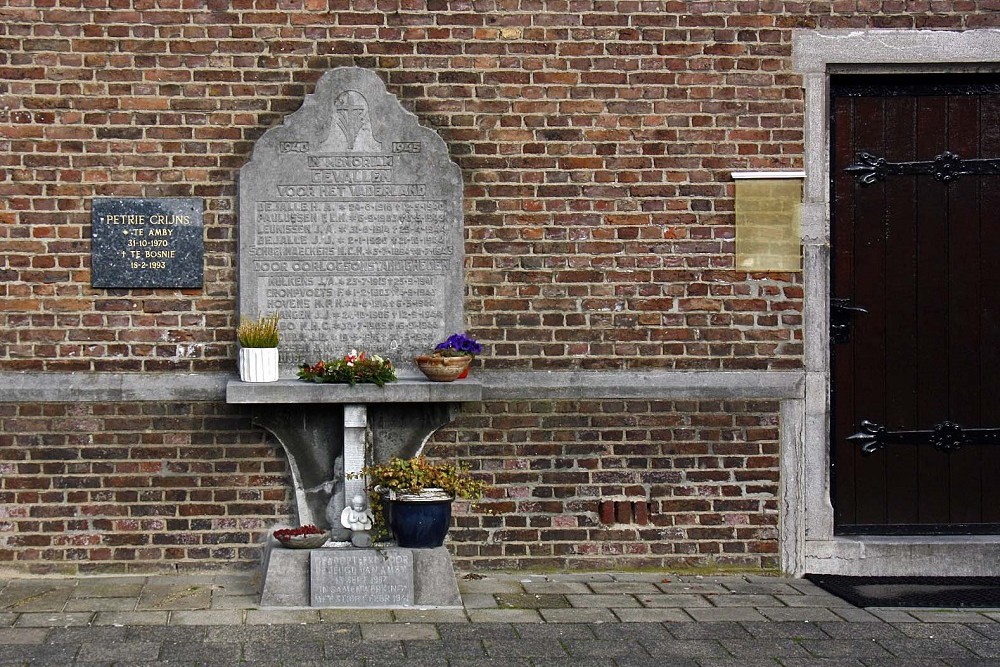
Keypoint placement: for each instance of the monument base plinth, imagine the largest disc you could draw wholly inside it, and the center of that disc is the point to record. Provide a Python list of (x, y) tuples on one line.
[(349, 578)]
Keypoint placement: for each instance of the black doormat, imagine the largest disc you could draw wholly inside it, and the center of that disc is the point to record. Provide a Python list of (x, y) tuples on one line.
[(941, 592)]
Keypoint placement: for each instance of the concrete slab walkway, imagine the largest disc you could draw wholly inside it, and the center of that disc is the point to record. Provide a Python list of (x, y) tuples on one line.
[(606, 619)]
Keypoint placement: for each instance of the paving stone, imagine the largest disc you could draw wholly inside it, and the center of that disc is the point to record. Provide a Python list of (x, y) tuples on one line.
[(82, 633), (479, 601), (814, 601), (890, 615), (131, 618), (120, 651), (584, 648), (489, 584), (235, 601), (175, 597), (281, 616), (100, 604), (53, 620), (607, 601), (373, 652), (862, 631), (986, 648), (531, 601), (845, 648), (488, 662), (655, 661), (431, 615), (450, 633), (558, 632), (168, 633), (684, 648), (738, 662), (812, 614), (618, 587), (939, 616), (823, 662), (664, 600), (754, 648), (7, 619), (806, 587), (207, 617), (561, 587), (939, 631), (595, 615), (340, 633), (32, 596), (989, 630), (524, 648), (355, 615), (438, 651), (733, 600), (504, 616), (290, 653), (587, 576), (729, 614), (924, 648), (685, 588), (121, 587), (912, 662), (397, 631), (762, 588), (22, 636), (855, 615), (652, 615), (723, 630), (38, 654), (785, 630), (250, 632), (633, 631)]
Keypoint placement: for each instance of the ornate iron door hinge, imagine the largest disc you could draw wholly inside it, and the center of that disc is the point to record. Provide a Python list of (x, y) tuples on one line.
[(945, 167), (946, 436)]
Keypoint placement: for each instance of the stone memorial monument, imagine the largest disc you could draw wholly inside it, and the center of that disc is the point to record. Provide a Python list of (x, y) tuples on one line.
[(351, 227), (351, 230)]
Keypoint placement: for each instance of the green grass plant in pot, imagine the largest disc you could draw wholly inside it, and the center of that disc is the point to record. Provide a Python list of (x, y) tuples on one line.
[(414, 497), (258, 357)]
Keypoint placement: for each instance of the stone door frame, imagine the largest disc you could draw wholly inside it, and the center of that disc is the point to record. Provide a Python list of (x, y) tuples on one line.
[(808, 540)]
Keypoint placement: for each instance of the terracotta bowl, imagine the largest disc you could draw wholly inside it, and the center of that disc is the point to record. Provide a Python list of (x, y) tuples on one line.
[(442, 369)]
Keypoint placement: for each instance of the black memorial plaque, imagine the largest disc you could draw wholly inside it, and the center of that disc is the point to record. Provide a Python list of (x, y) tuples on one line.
[(147, 242)]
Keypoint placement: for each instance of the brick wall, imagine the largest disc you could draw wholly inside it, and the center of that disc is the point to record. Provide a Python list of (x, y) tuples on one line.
[(135, 487), (598, 484), (147, 487), (596, 141)]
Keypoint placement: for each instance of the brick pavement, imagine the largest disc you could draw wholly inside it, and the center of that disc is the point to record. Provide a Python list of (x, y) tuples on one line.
[(588, 620)]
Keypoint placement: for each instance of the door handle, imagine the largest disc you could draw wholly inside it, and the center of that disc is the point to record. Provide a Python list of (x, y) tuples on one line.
[(842, 313)]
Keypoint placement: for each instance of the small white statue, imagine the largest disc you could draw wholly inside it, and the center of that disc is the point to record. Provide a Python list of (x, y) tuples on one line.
[(358, 518)]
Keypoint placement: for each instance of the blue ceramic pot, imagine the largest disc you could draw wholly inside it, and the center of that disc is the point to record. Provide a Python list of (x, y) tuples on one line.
[(420, 524)]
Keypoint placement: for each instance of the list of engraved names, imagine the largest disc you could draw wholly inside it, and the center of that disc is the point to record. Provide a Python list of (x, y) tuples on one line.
[(327, 252)]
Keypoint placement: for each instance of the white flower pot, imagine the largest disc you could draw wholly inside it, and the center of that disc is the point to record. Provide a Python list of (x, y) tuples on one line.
[(258, 364)]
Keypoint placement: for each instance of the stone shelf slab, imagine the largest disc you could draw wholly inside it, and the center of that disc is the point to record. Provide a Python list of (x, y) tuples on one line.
[(403, 391)]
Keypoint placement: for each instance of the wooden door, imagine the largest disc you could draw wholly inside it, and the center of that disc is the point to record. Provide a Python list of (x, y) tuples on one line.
[(916, 245)]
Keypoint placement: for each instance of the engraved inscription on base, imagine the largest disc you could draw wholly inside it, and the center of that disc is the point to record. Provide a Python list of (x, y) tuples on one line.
[(361, 578)]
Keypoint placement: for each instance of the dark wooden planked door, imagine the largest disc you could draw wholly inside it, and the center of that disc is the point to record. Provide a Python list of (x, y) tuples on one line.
[(918, 248)]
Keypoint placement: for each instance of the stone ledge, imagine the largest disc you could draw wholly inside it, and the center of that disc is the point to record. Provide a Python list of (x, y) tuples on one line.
[(82, 387), (489, 385), (403, 391)]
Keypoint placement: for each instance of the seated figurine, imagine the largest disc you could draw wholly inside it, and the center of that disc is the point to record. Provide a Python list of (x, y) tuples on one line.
[(358, 518)]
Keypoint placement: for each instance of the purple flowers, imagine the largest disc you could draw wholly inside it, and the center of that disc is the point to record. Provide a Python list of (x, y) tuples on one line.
[(459, 344)]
